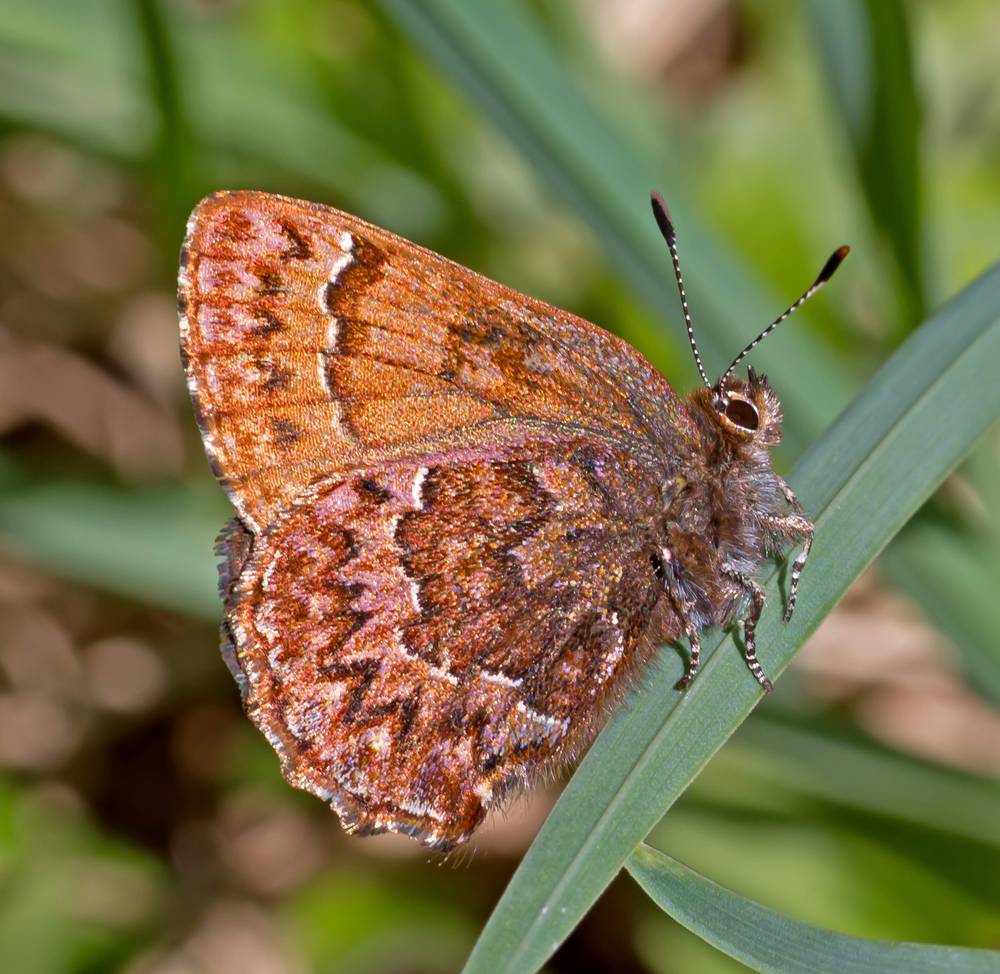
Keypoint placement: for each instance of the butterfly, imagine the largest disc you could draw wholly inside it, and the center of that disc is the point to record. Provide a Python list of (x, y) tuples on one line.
[(463, 517)]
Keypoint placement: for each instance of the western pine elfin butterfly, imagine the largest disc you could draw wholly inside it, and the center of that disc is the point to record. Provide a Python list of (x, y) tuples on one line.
[(463, 516)]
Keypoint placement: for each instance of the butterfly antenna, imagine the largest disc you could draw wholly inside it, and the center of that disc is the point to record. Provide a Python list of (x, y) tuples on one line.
[(835, 260), (666, 226)]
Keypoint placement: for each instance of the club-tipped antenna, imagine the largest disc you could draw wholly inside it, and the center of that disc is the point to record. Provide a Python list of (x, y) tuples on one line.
[(666, 226), (834, 261)]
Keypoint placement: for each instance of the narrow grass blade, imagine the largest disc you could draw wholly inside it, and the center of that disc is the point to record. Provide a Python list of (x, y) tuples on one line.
[(956, 590), (257, 118), (862, 481), (150, 545), (865, 47), (860, 774), (173, 153), (773, 943)]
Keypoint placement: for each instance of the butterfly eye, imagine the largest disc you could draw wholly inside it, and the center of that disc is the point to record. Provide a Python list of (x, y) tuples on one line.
[(743, 414)]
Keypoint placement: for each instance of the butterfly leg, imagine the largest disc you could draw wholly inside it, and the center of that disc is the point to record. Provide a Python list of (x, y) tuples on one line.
[(667, 572), (793, 527), (694, 660), (793, 501), (756, 596), (797, 566)]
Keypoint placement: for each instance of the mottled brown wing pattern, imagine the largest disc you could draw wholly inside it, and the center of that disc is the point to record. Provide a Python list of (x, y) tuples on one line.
[(416, 637), (463, 515), (446, 494), (314, 341)]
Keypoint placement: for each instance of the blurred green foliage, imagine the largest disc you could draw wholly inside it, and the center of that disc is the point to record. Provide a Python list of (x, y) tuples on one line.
[(143, 825)]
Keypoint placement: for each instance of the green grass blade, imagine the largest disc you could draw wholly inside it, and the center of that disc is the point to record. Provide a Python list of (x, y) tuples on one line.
[(771, 942), (65, 71), (862, 481), (172, 155), (152, 545), (866, 52), (956, 590), (865, 48), (259, 117), (861, 774), (605, 174)]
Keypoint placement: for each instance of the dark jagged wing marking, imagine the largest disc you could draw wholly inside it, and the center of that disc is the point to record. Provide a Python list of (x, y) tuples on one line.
[(417, 637)]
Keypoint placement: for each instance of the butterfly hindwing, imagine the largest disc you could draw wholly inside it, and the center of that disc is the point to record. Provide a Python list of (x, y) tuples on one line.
[(418, 636)]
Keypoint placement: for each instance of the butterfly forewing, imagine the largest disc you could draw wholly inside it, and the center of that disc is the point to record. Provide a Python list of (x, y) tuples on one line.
[(314, 341)]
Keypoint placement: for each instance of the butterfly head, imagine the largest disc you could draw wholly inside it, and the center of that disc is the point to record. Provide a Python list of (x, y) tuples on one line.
[(744, 411)]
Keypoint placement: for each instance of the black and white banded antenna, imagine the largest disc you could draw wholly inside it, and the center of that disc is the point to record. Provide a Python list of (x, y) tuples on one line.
[(834, 261), (666, 226)]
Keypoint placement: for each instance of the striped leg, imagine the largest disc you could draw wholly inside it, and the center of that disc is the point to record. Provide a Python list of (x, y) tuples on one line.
[(756, 594), (792, 527), (694, 661), (750, 637), (797, 566), (666, 571)]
